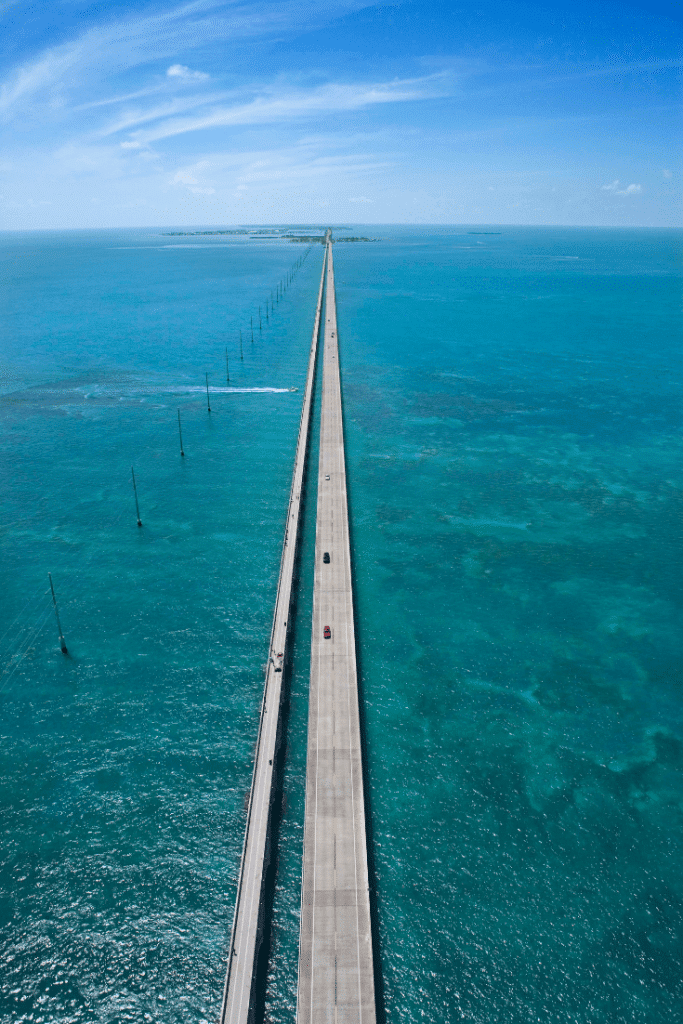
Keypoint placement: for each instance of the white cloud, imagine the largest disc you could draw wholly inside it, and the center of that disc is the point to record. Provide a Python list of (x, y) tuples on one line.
[(630, 190), (666, 173), (180, 71), (192, 177), (360, 199)]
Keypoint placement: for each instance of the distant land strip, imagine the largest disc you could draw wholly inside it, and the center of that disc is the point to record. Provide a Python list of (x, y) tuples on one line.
[(281, 234), (319, 238), (173, 234)]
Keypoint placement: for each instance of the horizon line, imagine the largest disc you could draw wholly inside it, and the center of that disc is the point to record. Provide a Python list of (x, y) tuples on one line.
[(373, 224)]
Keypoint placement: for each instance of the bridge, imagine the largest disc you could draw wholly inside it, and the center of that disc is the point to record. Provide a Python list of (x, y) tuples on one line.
[(238, 995), (336, 981), (336, 984)]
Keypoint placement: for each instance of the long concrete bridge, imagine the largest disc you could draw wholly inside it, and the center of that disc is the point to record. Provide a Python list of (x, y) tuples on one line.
[(336, 983), (238, 993)]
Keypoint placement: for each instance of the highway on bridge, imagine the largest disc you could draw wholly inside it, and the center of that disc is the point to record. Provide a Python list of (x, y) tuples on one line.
[(336, 983)]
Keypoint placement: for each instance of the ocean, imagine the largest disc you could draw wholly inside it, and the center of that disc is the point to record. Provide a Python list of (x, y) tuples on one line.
[(512, 408)]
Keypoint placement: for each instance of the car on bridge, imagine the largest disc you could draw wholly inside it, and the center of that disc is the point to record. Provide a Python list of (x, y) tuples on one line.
[(327, 632)]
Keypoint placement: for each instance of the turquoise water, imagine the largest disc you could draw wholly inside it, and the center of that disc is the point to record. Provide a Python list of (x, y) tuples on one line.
[(513, 429)]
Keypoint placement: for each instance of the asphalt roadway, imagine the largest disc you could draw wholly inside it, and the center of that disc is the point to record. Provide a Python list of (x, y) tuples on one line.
[(336, 984)]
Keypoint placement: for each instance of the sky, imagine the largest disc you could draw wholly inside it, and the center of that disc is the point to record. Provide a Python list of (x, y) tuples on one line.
[(339, 111)]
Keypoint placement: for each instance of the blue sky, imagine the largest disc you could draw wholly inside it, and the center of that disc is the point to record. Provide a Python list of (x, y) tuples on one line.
[(206, 112)]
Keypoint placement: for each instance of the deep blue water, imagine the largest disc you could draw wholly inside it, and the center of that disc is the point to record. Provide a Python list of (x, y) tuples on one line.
[(513, 422)]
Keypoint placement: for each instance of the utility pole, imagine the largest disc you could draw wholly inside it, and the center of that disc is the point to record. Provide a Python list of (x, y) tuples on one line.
[(135, 492), (180, 432), (62, 641)]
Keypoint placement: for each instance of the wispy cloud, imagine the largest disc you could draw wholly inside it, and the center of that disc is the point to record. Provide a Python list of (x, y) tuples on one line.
[(132, 117), (267, 167), (526, 77), (274, 105), (105, 50), (111, 101), (26, 81), (181, 106)]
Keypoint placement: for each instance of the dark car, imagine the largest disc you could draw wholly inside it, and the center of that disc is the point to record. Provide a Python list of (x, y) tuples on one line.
[(327, 632), (326, 558)]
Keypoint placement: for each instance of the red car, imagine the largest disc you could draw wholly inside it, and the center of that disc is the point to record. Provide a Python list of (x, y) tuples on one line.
[(327, 632)]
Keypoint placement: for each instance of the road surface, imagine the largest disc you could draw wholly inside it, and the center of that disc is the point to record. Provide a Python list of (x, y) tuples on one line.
[(336, 984)]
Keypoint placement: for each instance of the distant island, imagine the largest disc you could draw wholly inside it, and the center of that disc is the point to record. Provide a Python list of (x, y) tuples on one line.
[(168, 234), (304, 238), (320, 238), (484, 232), (288, 236)]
